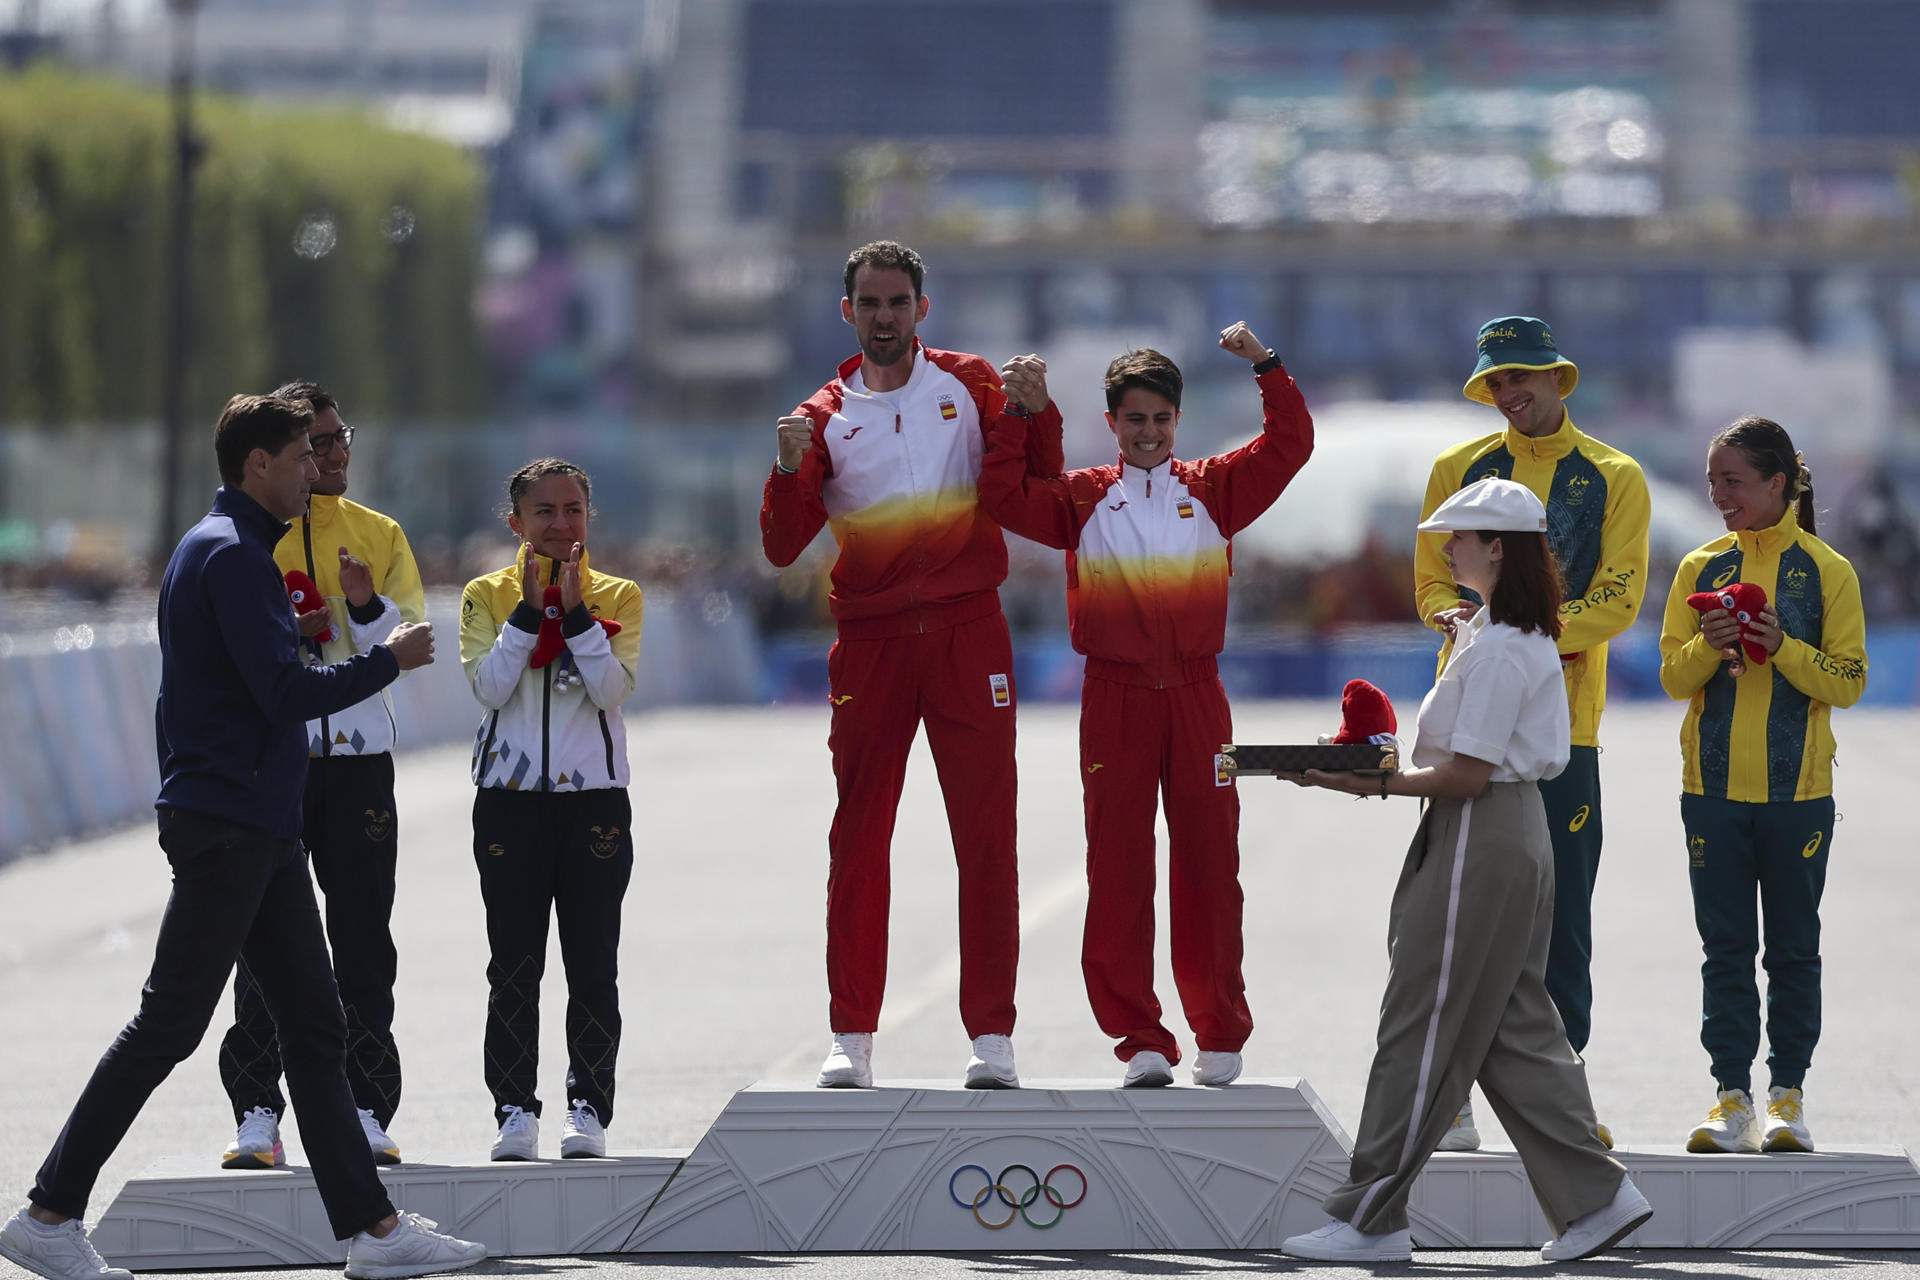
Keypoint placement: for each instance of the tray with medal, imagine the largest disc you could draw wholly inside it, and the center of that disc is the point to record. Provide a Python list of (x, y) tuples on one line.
[(1364, 743), (1258, 759)]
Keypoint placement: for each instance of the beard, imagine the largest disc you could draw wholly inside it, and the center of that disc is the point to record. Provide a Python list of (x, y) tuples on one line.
[(890, 354)]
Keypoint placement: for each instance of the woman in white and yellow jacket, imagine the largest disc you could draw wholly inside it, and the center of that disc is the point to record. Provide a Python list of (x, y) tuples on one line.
[(1757, 772), (550, 648)]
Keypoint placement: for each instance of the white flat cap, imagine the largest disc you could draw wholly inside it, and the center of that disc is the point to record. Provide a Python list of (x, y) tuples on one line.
[(1492, 504)]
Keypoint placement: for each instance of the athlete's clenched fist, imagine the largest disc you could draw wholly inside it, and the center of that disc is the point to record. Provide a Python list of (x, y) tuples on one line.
[(1026, 382), (796, 438), (1239, 340)]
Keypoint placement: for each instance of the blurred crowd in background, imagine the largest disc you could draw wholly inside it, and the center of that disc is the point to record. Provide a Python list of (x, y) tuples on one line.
[(613, 230)]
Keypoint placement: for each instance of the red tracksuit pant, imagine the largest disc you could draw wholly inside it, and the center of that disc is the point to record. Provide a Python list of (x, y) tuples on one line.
[(1135, 744), (959, 680)]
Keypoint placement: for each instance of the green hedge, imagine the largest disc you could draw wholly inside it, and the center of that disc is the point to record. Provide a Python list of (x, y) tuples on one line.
[(385, 317)]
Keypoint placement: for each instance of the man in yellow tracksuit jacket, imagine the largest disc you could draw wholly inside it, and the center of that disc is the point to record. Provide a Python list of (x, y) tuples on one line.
[(1597, 514), (363, 566)]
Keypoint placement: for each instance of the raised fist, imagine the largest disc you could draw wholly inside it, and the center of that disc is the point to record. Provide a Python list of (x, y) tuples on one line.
[(1026, 382), (1240, 340), (796, 439)]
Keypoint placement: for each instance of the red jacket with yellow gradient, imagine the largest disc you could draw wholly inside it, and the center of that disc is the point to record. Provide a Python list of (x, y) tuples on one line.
[(1149, 552), (896, 474)]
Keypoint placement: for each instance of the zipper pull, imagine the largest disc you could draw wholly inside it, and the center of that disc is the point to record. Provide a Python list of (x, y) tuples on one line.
[(896, 424), (1149, 484)]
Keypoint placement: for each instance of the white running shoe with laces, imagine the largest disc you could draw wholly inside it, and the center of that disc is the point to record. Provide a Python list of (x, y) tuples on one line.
[(58, 1253), (414, 1248), (1602, 1229), (1343, 1242), (1216, 1068), (1731, 1126), (385, 1150), (1462, 1134), (519, 1136), (1786, 1122), (849, 1063), (1147, 1069), (991, 1066), (583, 1135), (257, 1144)]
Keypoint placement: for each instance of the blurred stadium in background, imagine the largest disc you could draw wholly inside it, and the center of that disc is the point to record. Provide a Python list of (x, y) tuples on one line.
[(614, 231)]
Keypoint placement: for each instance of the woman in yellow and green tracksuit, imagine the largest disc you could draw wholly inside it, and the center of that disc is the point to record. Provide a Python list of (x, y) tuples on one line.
[(552, 827), (1757, 782)]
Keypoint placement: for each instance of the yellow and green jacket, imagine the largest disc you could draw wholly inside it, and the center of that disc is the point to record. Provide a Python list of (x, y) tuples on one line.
[(1597, 513), (1765, 735), (558, 728), (312, 545)]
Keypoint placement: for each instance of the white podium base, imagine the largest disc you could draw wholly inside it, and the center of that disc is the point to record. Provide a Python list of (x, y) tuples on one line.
[(928, 1167), (1867, 1198), (897, 1168), (181, 1214)]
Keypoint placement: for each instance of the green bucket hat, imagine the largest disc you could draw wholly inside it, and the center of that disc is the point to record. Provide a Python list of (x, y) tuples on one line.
[(1517, 342)]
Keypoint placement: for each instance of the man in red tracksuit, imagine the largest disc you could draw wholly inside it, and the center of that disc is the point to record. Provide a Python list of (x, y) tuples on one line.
[(888, 453), (1149, 543)]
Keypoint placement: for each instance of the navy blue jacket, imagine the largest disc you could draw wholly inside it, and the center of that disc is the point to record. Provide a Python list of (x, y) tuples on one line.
[(235, 695)]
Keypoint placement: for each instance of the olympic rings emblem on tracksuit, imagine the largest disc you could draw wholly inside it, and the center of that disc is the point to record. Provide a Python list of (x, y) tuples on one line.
[(1017, 1206)]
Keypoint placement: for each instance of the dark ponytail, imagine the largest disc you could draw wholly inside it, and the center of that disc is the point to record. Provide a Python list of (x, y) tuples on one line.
[(1765, 444)]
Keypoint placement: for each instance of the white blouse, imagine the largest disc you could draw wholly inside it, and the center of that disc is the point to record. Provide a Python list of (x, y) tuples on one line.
[(1501, 699)]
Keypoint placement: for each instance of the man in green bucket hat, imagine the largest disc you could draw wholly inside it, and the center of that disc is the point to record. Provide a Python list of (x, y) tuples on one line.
[(1597, 512)]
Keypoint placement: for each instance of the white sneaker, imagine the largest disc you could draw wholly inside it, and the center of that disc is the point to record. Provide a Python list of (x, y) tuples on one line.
[(257, 1144), (849, 1063), (1216, 1068), (385, 1150), (1601, 1229), (991, 1066), (59, 1253), (1343, 1242), (1786, 1122), (414, 1248), (1731, 1126), (1461, 1135), (583, 1134), (519, 1136), (1147, 1069)]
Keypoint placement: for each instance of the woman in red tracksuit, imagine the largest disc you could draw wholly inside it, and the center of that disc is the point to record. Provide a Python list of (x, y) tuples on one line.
[(1149, 550)]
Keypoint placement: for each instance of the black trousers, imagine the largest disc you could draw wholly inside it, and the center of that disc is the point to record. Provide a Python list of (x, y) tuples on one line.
[(236, 891), (352, 839), (542, 855)]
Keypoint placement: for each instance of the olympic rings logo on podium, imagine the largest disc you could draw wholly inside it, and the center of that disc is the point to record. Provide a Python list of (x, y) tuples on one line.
[(1017, 1202)]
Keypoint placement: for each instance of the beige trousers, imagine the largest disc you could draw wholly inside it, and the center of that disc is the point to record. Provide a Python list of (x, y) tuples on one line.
[(1466, 999)]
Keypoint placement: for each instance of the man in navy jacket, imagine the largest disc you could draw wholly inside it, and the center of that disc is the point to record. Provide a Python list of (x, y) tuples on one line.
[(234, 698)]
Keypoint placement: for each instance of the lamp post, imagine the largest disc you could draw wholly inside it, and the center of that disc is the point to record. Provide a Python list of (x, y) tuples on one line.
[(179, 349)]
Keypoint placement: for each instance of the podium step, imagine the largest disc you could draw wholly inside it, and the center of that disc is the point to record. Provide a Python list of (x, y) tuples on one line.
[(1866, 1198), (928, 1167), (190, 1214), (902, 1167)]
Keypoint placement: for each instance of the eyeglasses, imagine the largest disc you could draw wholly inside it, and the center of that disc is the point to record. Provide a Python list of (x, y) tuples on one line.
[(324, 444)]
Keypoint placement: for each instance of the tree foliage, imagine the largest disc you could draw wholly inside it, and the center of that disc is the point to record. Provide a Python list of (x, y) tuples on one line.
[(325, 245)]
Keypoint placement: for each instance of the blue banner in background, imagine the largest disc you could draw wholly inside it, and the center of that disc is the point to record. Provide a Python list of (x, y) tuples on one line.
[(1400, 660)]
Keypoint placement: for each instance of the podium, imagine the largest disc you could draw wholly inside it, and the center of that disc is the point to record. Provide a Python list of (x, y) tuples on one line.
[(922, 1166)]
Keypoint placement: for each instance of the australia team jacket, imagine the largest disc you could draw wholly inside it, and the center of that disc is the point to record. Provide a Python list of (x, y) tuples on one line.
[(1149, 552), (1597, 513), (558, 728), (312, 545), (896, 474), (1765, 735)]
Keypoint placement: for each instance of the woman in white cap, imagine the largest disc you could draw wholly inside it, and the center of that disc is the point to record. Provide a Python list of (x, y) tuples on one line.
[(1466, 993)]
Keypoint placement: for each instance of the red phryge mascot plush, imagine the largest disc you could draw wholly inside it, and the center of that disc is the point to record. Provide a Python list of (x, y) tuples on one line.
[(1743, 600), (551, 641), (307, 599), (1366, 715)]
